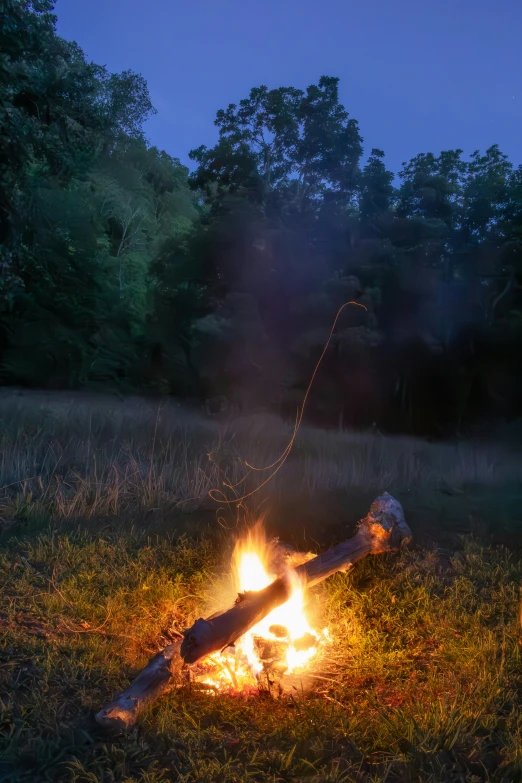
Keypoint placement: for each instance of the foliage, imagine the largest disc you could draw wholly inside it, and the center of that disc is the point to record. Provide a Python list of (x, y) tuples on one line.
[(121, 270), (85, 205), (299, 144)]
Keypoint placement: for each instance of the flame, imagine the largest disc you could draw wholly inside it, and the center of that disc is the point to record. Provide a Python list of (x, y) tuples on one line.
[(287, 626)]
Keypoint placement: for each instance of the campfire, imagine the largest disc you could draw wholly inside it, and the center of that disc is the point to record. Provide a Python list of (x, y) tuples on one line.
[(282, 643), (266, 635)]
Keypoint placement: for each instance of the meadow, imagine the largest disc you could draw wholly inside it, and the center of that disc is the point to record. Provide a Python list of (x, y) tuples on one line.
[(110, 545)]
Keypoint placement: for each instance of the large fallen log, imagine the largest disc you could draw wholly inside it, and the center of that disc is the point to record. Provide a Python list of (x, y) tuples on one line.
[(382, 530)]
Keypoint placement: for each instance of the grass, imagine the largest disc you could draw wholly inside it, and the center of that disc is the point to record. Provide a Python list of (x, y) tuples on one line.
[(100, 562)]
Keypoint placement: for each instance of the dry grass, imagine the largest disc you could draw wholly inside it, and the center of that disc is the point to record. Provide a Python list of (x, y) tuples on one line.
[(73, 456)]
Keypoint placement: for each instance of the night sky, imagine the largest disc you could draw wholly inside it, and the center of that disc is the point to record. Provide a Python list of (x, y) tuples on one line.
[(418, 75)]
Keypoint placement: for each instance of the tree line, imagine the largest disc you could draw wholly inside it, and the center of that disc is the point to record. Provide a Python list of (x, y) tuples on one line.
[(122, 269)]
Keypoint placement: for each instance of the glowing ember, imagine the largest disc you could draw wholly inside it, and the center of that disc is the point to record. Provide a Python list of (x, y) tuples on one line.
[(284, 639)]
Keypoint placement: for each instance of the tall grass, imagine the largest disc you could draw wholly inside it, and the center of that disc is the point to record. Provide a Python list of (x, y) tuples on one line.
[(81, 456)]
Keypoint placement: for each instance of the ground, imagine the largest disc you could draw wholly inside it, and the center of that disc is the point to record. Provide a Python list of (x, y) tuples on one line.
[(109, 544)]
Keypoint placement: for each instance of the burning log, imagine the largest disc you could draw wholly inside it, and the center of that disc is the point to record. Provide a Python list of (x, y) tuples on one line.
[(382, 530)]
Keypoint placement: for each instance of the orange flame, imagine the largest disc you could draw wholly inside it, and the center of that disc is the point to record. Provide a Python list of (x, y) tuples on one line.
[(287, 625)]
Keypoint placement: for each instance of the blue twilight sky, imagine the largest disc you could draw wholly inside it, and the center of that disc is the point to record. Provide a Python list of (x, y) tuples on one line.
[(418, 75)]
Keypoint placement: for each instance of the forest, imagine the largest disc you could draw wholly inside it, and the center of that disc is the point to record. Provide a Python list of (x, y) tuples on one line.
[(122, 270)]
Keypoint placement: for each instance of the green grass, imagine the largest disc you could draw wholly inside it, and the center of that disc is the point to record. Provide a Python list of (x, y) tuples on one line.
[(422, 680)]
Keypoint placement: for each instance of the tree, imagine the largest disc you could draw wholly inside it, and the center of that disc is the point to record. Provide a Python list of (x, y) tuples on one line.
[(84, 206), (299, 145), (376, 191), (116, 272)]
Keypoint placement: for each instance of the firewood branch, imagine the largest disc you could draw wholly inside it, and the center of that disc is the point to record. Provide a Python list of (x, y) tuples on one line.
[(162, 672)]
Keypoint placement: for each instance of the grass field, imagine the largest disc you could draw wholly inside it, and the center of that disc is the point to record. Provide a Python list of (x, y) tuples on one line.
[(109, 544)]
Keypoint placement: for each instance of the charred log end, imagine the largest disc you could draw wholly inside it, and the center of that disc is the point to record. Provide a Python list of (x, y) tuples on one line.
[(385, 524), (162, 672)]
